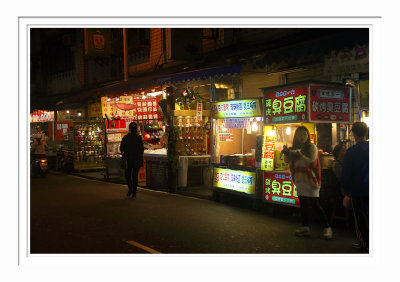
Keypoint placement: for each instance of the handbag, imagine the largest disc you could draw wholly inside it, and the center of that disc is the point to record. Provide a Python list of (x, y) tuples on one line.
[(124, 162)]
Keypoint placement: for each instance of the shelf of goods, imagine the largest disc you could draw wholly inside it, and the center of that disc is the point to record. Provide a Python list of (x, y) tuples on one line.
[(88, 146), (192, 139)]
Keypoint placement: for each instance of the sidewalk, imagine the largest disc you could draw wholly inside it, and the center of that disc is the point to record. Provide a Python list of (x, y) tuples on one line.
[(199, 192)]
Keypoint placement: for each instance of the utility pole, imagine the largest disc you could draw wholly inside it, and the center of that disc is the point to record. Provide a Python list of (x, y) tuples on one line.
[(125, 55)]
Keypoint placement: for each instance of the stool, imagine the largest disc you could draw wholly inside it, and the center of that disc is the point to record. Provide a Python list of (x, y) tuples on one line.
[(346, 216)]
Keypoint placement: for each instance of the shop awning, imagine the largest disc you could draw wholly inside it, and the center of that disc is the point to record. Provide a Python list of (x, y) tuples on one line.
[(200, 74)]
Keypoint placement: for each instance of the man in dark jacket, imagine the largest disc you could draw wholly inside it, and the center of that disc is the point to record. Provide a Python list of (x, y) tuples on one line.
[(355, 181), (132, 151)]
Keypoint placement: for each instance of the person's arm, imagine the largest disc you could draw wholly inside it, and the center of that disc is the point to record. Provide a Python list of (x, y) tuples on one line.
[(337, 169), (141, 147), (122, 146), (313, 154)]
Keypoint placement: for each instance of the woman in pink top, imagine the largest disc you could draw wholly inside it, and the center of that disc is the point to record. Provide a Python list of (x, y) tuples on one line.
[(301, 158)]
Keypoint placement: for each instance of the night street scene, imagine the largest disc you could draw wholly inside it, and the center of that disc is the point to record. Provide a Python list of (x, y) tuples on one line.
[(199, 141)]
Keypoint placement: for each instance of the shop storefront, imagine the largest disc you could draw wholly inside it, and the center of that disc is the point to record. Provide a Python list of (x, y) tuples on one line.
[(44, 122), (236, 125), (324, 109), (118, 112), (79, 136)]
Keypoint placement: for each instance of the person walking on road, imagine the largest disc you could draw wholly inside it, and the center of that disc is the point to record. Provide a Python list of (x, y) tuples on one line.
[(355, 181), (305, 170), (132, 156)]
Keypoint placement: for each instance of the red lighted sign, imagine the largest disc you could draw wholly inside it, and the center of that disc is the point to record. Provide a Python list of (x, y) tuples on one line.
[(283, 106), (280, 189), (330, 104)]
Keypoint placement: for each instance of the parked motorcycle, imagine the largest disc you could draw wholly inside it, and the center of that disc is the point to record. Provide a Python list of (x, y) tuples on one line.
[(39, 166)]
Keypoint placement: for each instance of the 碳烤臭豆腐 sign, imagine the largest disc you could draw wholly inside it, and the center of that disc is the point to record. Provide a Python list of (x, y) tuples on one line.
[(280, 189)]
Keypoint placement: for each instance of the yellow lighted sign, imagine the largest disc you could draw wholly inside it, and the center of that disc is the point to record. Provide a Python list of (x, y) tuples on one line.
[(237, 108), (268, 148), (237, 180)]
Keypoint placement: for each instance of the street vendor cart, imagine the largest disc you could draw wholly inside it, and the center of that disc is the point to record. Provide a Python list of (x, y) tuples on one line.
[(323, 108)]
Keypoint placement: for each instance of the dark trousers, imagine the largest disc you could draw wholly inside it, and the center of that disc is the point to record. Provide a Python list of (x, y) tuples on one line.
[(316, 206), (131, 175), (361, 219)]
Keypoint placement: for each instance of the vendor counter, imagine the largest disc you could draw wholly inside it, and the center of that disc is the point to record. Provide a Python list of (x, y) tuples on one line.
[(193, 171), (156, 169)]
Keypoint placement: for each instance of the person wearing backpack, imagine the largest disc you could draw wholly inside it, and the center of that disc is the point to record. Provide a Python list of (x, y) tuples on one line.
[(306, 175), (132, 153), (355, 181)]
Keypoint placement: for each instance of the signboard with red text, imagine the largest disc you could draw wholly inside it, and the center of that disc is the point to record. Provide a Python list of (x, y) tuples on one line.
[(42, 116), (128, 106), (310, 102), (330, 104), (280, 189), (286, 106)]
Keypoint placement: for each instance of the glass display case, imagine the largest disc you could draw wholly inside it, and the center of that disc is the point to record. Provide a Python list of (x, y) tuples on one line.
[(88, 145)]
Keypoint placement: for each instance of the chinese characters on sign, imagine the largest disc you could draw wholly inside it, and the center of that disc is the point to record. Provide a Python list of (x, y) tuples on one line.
[(97, 41), (199, 111), (279, 188), (237, 180), (268, 149), (42, 116), (347, 61), (225, 134), (236, 108), (330, 104), (234, 123), (127, 106), (288, 105)]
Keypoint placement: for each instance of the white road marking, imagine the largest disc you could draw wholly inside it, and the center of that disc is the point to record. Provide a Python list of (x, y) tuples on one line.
[(143, 247)]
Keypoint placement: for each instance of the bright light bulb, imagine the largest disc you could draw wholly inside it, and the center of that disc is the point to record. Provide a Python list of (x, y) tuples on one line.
[(254, 126), (288, 131), (67, 111), (271, 132), (367, 121)]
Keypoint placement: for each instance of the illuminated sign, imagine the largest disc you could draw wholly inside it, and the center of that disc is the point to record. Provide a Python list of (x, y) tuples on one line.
[(288, 105), (329, 104), (127, 106), (42, 116), (235, 123), (280, 189), (237, 180), (237, 108), (268, 149)]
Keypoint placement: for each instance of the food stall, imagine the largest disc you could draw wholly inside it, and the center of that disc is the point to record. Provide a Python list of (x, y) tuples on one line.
[(192, 147), (323, 108), (44, 121), (236, 125), (119, 111)]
